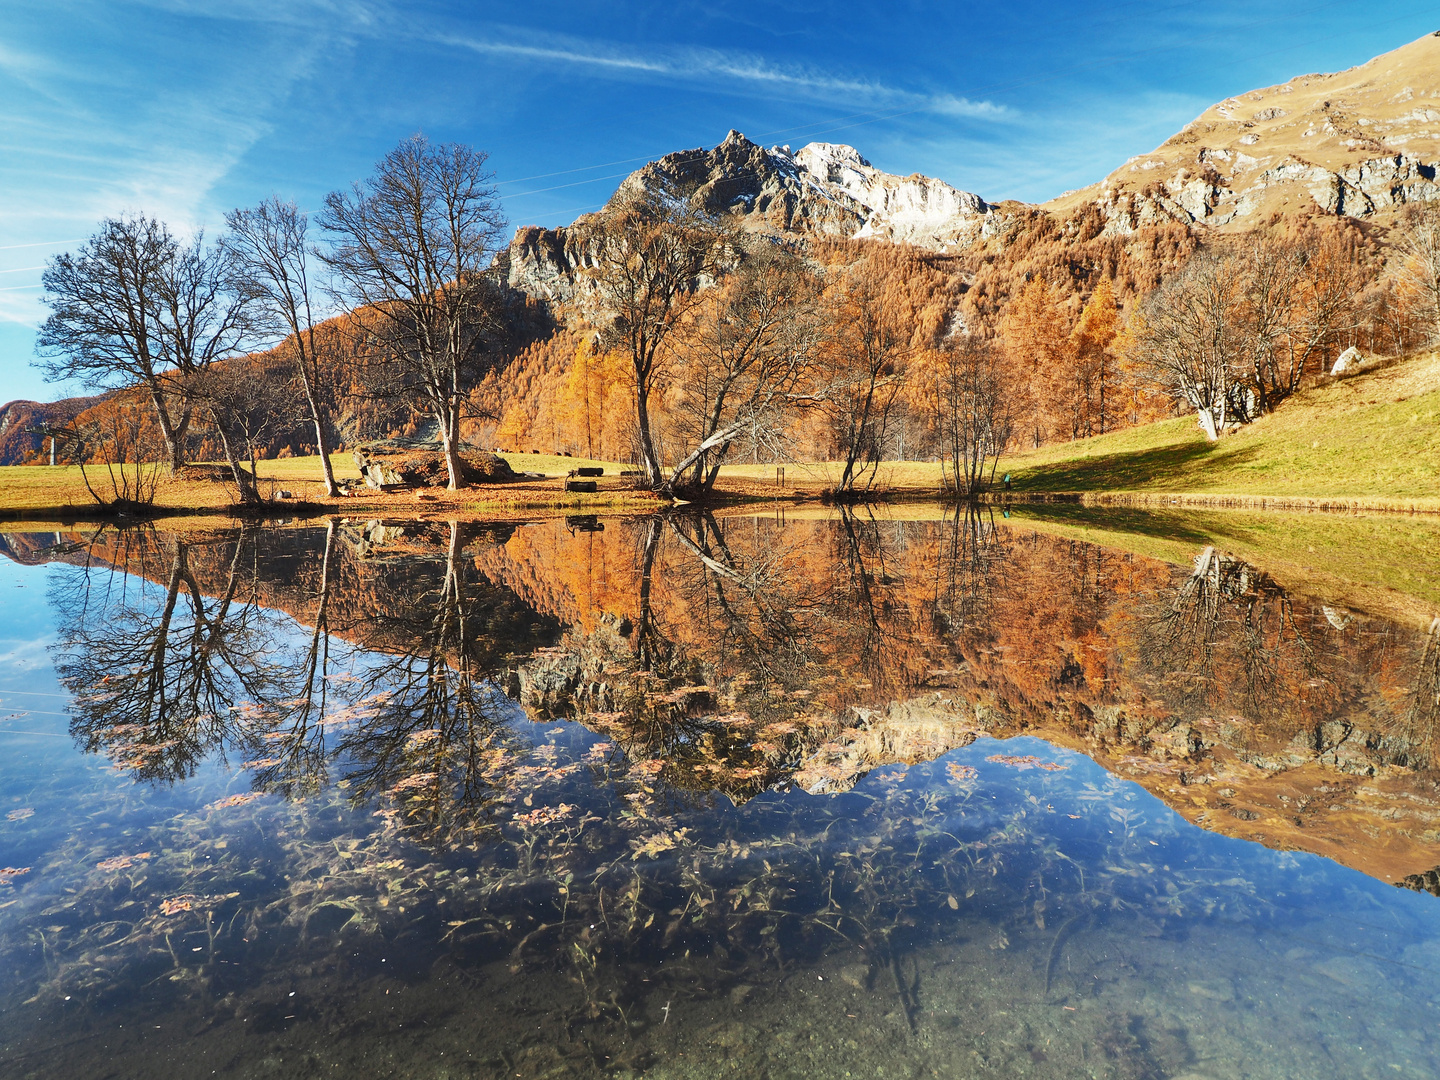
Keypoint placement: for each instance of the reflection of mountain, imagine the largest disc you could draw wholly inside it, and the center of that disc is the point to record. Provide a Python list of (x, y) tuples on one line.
[(1258, 713), (738, 654)]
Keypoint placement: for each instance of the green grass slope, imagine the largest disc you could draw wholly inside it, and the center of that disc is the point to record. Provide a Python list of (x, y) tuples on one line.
[(1373, 436)]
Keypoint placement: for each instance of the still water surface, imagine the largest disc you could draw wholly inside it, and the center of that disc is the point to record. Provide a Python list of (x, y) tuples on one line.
[(705, 797)]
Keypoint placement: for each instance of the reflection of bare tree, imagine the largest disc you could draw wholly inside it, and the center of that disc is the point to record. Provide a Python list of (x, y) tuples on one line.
[(756, 620), (174, 657), (972, 557), (862, 607), (1180, 640), (652, 649), (291, 740), (745, 632), (429, 732), (161, 679), (1231, 637)]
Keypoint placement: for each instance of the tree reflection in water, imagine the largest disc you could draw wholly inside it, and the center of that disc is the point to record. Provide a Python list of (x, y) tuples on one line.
[(714, 657), (165, 675), (736, 651), (161, 678)]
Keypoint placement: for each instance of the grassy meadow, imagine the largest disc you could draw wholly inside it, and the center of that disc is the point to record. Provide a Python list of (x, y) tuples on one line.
[(1369, 441), (1374, 438), (59, 491)]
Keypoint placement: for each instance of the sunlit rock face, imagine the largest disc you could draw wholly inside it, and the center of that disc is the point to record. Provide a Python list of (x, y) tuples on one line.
[(1360, 143), (911, 209), (824, 189)]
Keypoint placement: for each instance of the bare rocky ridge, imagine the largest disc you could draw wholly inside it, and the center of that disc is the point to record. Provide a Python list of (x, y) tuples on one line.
[(1359, 143), (823, 189)]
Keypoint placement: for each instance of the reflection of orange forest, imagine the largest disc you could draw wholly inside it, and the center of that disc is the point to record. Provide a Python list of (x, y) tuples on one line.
[(738, 653)]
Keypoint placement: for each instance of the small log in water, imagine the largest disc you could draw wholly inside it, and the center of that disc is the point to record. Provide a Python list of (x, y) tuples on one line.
[(1066, 929)]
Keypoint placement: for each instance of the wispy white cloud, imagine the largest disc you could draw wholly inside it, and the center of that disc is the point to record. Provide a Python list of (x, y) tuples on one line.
[(742, 71), (124, 115)]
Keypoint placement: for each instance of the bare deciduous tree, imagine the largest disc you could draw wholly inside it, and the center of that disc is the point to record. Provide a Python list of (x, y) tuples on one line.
[(103, 329), (1421, 272), (1185, 339), (1294, 297), (117, 438), (269, 244), (649, 256), (411, 247), (865, 356), (1236, 331), (203, 316), (965, 391), (749, 350)]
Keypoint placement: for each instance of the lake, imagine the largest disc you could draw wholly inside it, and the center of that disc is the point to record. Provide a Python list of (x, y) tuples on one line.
[(907, 794)]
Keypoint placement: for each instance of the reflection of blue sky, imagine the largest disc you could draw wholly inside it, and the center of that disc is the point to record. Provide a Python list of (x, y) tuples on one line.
[(186, 110), (26, 633)]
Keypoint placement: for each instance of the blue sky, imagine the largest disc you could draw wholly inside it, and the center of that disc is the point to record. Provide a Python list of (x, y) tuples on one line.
[(186, 109)]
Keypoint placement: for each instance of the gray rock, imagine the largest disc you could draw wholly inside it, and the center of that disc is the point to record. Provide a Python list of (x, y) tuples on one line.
[(411, 463), (1347, 361)]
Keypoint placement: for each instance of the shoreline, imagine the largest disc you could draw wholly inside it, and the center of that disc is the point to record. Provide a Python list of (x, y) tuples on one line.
[(472, 502)]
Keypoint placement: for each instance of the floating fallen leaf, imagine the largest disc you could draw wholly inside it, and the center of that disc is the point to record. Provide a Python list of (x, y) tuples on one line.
[(234, 800), (121, 862), (960, 774)]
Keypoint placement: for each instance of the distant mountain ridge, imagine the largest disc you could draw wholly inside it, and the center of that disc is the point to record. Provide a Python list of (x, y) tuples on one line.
[(821, 190), (1359, 143), (826, 189)]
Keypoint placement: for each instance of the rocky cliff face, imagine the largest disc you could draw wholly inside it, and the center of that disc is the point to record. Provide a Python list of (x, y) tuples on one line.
[(823, 189), (1358, 143)]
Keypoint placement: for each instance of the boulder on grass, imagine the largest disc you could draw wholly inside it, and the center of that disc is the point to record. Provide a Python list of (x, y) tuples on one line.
[(1347, 361), (406, 463)]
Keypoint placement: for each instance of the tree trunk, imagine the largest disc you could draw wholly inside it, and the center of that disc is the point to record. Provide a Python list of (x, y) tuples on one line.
[(322, 441), (450, 443), (1207, 424), (173, 438), (244, 482), (649, 460)]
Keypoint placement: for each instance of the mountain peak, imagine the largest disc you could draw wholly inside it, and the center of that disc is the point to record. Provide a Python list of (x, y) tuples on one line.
[(827, 189)]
